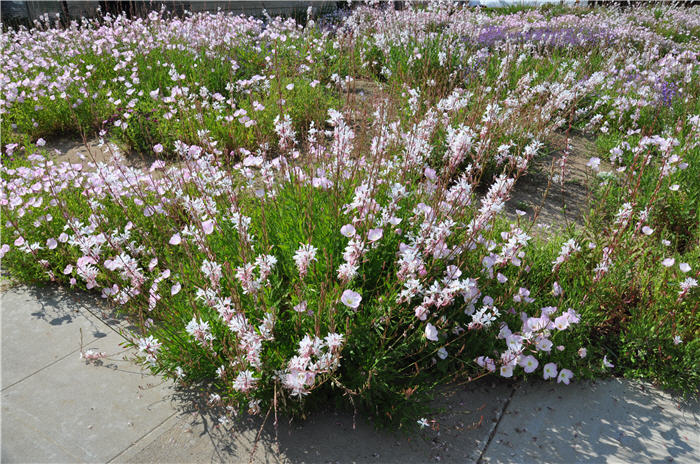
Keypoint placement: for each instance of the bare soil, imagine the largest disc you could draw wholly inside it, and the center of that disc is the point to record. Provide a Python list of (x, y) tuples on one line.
[(72, 149), (553, 204)]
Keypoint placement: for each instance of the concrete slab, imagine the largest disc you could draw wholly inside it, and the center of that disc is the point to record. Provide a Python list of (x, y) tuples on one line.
[(42, 325), (470, 414), (23, 443), (604, 421), (57, 408), (93, 411)]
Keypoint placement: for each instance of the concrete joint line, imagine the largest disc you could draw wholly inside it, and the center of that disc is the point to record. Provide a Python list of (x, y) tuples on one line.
[(141, 438), (495, 427), (77, 350)]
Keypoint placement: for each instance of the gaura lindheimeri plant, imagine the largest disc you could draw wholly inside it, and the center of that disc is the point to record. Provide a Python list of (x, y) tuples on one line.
[(286, 243)]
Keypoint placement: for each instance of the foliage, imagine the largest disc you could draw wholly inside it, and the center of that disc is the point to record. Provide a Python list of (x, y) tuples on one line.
[(290, 243)]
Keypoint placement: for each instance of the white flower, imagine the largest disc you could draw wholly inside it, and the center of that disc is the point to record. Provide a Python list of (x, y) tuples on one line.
[(565, 376), (348, 230), (351, 299), (208, 226), (244, 381), (556, 289), (507, 370), (431, 332), (550, 371), (529, 363), (375, 234), (607, 363), (303, 257), (301, 307), (442, 353), (594, 163)]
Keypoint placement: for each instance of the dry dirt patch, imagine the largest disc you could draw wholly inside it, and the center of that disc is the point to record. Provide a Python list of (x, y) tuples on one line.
[(72, 149), (556, 204)]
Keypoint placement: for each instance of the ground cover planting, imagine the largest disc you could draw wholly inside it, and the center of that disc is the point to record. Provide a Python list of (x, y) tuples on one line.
[(329, 212)]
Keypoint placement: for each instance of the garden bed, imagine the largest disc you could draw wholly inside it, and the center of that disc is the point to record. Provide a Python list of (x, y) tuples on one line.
[(296, 215)]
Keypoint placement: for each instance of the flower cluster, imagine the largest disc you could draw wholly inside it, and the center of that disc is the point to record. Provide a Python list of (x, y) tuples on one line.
[(280, 242)]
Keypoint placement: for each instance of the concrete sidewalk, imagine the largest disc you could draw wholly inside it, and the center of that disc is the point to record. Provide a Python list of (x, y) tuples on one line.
[(57, 408)]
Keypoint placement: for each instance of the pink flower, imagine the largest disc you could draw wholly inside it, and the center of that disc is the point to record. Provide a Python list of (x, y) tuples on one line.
[(301, 307), (175, 289), (208, 226), (684, 267), (529, 364), (556, 289), (507, 371), (19, 241), (607, 363), (550, 371), (543, 344), (646, 230), (351, 299), (668, 262), (375, 234), (565, 375), (158, 148), (4, 249), (562, 322), (244, 381), (348, 230), (422, 312), (51, 244), (175, 239), (431, 332), (582, 352), (303, 257), (158, 164), (486, 362), (594, 163)]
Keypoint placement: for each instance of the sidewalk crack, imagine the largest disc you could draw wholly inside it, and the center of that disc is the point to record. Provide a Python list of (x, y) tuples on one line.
[(495, 427)]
